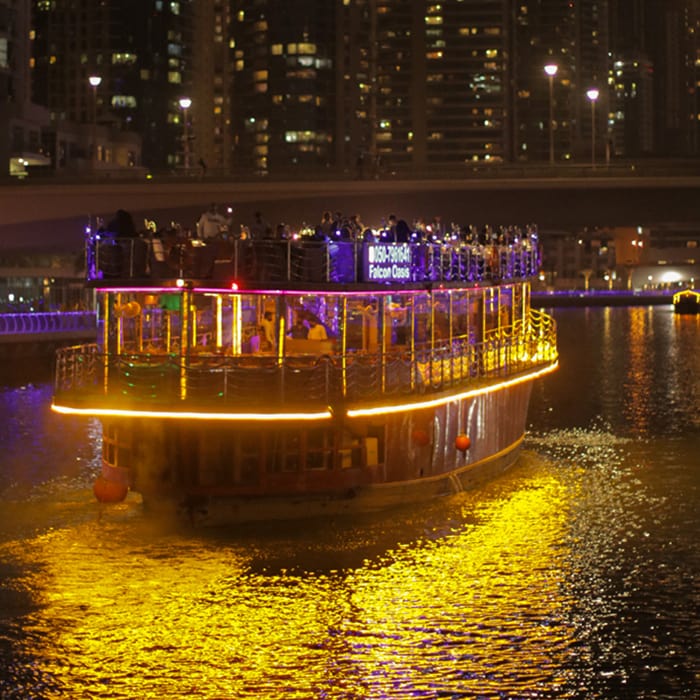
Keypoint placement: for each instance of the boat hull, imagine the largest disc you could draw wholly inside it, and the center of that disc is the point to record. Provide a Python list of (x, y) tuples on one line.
[(214, 475)]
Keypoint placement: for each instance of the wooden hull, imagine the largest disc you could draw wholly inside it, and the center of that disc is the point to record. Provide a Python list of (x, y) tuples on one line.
[(216, 475)]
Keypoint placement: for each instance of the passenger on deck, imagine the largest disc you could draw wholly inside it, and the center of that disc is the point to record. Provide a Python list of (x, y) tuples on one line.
[(260, 229), (325, 226), (210, 223), (317, 331), (403, 232), (299, 330), (268, 326), (122, 225)]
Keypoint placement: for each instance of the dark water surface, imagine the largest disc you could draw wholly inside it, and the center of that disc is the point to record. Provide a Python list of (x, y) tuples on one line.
[(574, 576)]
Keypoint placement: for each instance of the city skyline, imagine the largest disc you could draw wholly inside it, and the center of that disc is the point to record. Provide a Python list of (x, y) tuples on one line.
[(365, 87)]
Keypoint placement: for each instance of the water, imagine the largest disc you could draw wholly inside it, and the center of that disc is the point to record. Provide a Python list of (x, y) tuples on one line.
[(574, 576)]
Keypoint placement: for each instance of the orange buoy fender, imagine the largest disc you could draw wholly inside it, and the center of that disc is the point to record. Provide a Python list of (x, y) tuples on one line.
[(420, 437), (107, 491), (462, 442)]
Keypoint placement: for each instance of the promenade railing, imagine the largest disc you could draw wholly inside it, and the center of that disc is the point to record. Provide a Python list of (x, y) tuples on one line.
[(47, 323)]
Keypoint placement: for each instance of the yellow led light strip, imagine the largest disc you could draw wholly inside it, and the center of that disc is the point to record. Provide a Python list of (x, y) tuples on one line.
[(314, 416), (190, 415), (397, 408)]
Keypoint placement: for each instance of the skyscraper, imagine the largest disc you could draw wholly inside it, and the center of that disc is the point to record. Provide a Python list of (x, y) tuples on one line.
[(673, 37), (21, 121), (283, 84), (361, 88), (574, 37), (631, 80), (139, 50)]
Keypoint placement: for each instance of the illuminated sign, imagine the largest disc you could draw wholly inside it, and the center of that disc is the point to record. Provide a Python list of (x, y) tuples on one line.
[(387, 262)]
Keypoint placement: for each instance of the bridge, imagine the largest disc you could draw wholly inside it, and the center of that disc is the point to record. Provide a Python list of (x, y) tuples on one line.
[(40, 333), (52, 215)]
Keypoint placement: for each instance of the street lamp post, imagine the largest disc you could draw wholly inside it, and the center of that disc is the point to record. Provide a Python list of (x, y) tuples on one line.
[(551, 70), (185, 104), (593, 94), (94, 81)]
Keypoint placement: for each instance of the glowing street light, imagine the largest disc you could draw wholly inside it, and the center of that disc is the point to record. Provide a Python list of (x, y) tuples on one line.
[(185, 104), (593, 94), (551, 70), (94, 81)]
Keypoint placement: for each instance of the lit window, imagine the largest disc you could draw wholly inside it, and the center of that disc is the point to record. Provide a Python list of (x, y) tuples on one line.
[(123, 102), (123, 58)]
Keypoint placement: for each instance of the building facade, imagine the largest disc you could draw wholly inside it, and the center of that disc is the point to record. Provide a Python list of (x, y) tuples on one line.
[(348, 88), (138, 52), (21, 120)]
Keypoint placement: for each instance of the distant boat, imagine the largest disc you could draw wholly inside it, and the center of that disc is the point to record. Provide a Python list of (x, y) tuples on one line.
[(686, 302), (258, 379)]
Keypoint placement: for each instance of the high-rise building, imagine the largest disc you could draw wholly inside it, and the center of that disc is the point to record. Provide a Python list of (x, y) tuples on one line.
[(369, 86), (441, 84), (573, 36), (631, 80), (21, 121), (673, 37), (363, 88), (283, 85), (212, 87), (139, 51), (410, 86)]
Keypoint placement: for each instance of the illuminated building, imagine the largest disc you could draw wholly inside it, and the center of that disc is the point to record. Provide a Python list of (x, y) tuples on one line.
[(630, 80), (284, 72), (141, 52), (21, 121), (573, 36), (213, 97), (673, 33)]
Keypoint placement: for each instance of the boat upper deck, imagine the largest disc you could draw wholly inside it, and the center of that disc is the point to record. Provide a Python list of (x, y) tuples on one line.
[(302, 261)]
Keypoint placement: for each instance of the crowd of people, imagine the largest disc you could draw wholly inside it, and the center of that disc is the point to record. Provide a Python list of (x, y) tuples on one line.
[(392, 229), (333, 226)]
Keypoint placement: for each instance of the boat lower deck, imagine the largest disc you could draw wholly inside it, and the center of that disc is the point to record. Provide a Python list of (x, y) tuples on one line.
[(253, 470)]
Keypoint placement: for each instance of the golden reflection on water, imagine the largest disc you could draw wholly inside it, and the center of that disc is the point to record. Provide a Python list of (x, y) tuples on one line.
[(466, 596)]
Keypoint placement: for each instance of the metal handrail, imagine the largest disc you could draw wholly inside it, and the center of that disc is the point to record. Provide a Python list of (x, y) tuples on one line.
[(302, 260), (244, 382)]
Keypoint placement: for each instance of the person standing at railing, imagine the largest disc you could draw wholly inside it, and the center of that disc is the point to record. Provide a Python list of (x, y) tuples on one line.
[(210, 223), (260, 229), (122, 225), (268, 326)]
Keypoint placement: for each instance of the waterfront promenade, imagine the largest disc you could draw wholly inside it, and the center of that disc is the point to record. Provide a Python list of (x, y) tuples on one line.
[(580, 298), (40, 333)]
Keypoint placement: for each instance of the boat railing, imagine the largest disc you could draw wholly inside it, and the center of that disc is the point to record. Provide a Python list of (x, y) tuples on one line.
[(302, 260), (248, 383)]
